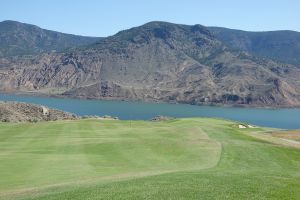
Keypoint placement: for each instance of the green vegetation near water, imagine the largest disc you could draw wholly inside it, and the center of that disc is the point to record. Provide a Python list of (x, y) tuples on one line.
[(195, 158)]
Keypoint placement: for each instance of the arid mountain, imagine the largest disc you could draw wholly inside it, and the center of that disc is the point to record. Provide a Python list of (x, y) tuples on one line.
[(158, 61), (283, 46), (24, 39)]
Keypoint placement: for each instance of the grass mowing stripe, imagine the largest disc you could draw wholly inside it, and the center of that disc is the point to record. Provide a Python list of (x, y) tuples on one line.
[(208, 158)]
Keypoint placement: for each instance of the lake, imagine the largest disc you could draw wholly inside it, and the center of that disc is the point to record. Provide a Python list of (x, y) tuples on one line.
[(288, 118)]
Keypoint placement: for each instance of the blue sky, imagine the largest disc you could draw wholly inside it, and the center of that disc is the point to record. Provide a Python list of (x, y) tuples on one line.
[(103, 18)]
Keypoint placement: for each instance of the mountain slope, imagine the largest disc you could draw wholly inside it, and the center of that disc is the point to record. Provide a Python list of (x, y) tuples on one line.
[(283, 46), (158, 61), (23, 39)]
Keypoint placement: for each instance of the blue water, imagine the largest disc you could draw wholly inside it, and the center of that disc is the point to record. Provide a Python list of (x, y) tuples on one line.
[(288, 118)]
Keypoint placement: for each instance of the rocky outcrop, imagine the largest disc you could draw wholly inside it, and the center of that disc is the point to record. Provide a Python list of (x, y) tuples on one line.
[(25, 112)]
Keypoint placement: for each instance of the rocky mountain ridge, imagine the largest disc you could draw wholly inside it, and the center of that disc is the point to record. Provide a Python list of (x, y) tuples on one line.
[(18, 38), (283, 46)]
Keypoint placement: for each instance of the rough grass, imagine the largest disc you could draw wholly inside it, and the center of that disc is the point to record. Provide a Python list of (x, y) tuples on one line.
[(195, 158)]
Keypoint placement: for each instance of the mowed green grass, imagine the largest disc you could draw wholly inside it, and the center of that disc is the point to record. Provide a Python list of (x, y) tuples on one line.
[(193, 158)]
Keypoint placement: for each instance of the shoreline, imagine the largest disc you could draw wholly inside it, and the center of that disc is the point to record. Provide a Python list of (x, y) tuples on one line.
[(61, 96)]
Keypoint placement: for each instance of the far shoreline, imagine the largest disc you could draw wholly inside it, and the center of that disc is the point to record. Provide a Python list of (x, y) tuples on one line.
[(61, 96)]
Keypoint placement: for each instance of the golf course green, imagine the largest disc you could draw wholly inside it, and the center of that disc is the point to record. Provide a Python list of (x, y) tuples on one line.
[(189, 158)]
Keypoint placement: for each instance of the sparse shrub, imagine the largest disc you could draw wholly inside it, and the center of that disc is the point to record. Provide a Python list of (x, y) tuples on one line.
[(5, 120), (32, 120), (161, 118)]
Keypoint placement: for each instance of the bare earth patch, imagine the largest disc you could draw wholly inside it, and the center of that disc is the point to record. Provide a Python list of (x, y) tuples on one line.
[(289, 134)]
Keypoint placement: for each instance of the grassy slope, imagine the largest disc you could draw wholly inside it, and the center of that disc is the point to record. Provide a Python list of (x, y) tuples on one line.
[(178, 159)]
